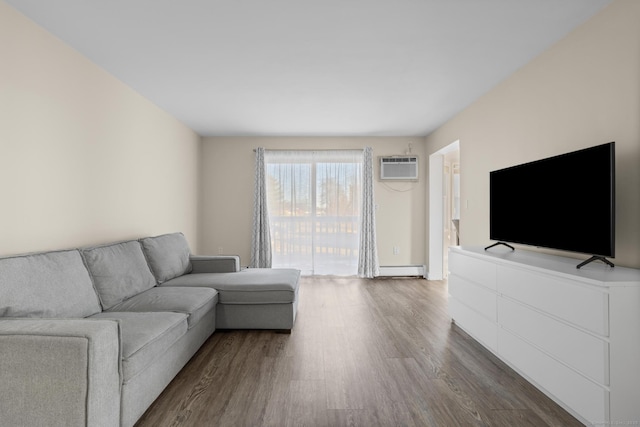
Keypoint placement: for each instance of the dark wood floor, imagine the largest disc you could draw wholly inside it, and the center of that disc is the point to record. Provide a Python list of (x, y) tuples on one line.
[(362, 353)]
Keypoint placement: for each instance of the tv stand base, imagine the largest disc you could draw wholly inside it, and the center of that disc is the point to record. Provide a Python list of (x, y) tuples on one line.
[(500, 243), (596, 258)]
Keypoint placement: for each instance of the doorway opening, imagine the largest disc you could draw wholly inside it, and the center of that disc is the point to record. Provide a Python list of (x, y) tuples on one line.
[(444, 207)]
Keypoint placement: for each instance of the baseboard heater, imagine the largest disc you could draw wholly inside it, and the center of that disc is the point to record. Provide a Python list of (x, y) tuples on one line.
[(402, 271)]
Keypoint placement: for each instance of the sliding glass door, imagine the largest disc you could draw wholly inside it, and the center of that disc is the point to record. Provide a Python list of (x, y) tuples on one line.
[(314, 200)]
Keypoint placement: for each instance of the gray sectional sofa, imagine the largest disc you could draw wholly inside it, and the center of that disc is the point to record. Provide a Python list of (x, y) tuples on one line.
[(91, 336)]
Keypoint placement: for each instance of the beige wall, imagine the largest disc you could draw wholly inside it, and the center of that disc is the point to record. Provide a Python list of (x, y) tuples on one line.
[(83, 158), (583, 91), (227, 195)]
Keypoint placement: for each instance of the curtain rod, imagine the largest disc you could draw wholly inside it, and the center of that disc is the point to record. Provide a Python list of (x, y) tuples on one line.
[(311, 149)]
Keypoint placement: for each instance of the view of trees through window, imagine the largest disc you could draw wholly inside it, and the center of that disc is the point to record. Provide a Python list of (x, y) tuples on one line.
[(314, 203)]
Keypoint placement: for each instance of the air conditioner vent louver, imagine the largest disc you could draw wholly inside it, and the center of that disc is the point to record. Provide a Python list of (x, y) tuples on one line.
[(399, 168)]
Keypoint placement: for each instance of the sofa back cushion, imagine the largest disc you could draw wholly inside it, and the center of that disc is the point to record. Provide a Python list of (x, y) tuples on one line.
[(168, 255), (119, 271), (49, 284)]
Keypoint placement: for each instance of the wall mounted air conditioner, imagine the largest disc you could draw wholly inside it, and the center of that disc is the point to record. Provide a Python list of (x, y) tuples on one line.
[(399, 168)]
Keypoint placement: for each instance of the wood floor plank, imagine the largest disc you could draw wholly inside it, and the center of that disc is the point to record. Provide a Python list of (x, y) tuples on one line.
[(303, 404), (363, 352)]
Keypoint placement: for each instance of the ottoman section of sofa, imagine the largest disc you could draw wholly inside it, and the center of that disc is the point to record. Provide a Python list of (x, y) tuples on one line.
[(249, 286), (254, 298)]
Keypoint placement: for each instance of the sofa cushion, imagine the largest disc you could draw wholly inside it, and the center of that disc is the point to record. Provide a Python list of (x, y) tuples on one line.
[(194, 302), (249, 286), (119, 271), (168, 255), (145, 337), (49, 284)]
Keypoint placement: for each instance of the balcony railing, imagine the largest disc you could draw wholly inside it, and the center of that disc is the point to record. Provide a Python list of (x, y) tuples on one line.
[(314, 244)]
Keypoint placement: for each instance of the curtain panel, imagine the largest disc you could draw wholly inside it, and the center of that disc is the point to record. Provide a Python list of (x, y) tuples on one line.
[(261, 236), (368, 254)]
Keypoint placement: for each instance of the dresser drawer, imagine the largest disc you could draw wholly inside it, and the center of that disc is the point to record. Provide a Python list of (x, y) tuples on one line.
[(586, 398), (576, 348), (480, 298), (473, 269), (475, 324), (579, 304)]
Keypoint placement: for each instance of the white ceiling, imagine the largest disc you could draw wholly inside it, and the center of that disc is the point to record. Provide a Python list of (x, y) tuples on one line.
[(310, 67)]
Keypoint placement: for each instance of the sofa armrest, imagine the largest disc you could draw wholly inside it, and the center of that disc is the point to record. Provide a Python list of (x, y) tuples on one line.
[(60, 372), (215, 264)]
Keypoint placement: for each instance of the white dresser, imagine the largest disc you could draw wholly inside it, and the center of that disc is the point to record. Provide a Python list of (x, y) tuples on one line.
[(574, 334)]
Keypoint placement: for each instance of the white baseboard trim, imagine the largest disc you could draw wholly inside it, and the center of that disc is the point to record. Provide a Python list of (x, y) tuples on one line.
[(403, 270)]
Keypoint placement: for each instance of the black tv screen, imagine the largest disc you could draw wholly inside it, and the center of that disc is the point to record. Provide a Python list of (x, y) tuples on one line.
[(565, 202)]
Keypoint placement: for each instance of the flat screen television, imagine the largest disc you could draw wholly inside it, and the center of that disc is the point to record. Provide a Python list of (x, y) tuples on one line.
[(565, 202)]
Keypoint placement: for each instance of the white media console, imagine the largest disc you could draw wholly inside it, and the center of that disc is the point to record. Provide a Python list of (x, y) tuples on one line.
[(574, 334)]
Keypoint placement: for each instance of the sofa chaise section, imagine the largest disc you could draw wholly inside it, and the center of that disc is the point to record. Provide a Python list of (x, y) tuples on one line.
[(260, 298), (254, 298)]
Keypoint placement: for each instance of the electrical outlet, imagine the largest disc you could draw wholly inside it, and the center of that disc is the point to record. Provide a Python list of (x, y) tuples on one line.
[(220, 250), (396, 250)]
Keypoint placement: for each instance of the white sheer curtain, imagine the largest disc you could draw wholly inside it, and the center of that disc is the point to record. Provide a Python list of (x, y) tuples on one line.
[(260, 238), (314, 202)]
